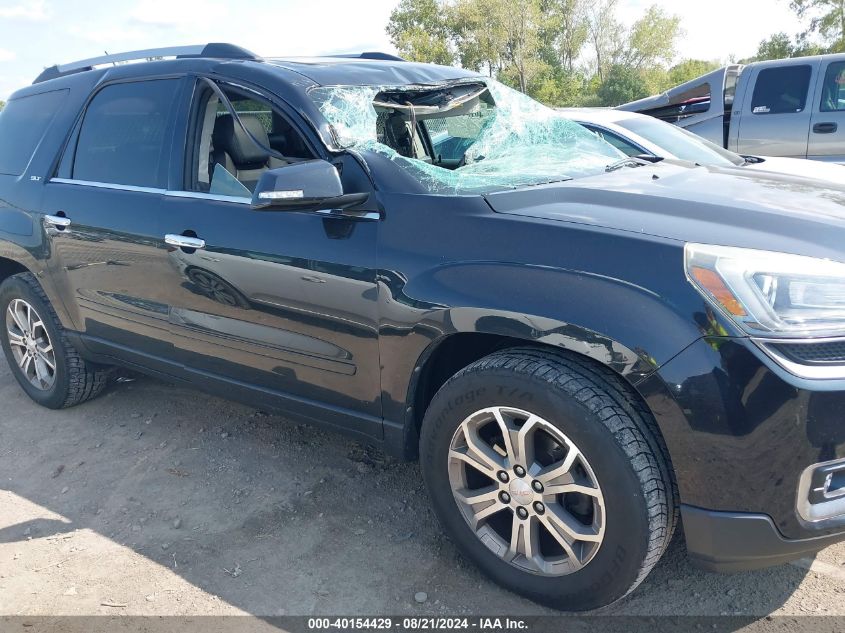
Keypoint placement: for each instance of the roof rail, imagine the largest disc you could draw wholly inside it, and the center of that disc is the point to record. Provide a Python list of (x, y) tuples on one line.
[(213, 50), (372, 55)]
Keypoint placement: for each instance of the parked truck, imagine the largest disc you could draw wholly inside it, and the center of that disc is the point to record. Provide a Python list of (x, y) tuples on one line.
[(784, 107)]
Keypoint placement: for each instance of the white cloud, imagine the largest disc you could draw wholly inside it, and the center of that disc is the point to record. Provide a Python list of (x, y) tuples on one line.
[(32, 10), (6, 55)]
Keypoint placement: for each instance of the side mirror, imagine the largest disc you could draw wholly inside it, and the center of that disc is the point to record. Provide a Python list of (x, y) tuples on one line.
[(312, 185)]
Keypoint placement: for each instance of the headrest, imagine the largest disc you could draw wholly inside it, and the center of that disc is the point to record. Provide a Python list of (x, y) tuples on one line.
[(229, 137)]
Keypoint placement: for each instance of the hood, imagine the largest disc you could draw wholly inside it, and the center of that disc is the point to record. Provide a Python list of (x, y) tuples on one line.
[(801, 167), (712, 205)]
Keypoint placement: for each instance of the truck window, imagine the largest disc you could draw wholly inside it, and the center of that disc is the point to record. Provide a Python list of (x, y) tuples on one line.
[(833, 90), (123, 139), (781, 90), (23, 123)]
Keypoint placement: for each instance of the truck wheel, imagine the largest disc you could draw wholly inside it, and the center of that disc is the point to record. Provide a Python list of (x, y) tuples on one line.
[(42, 358), (550, 475)]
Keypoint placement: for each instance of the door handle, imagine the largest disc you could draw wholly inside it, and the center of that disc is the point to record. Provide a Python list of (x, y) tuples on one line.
[(57, 221), (182, 241), (825, 128)]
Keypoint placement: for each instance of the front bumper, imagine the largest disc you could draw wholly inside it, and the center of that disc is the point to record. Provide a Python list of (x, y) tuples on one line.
[(741, 431), (737, 541)]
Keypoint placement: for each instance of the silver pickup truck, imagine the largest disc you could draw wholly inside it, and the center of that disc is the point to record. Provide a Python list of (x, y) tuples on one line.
[(785, 107)]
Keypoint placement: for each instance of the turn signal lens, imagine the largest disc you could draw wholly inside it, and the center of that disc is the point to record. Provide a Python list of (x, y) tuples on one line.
[(712, 283)]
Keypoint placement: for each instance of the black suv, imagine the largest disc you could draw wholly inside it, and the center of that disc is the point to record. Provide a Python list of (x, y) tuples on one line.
[(581, 348)]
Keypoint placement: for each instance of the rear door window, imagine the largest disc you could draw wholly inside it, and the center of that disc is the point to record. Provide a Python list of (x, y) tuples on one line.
[(781, 90), (125, 134), (23, 123)]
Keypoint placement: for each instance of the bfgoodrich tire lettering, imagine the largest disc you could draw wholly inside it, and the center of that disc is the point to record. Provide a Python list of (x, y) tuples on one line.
[(73, 380), (598, 413)]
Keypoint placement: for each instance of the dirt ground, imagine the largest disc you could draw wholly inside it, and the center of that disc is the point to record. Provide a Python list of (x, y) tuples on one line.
[(157, 499)]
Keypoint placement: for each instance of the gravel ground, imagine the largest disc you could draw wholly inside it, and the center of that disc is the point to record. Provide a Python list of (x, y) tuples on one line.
[(156, 499)]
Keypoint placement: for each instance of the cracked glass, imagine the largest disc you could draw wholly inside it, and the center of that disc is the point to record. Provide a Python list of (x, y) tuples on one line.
[(463, 137)]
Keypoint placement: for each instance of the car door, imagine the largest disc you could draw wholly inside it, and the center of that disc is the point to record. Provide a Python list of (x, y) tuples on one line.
[(827, 126), (103, 216), (282, 304), (775, 120)]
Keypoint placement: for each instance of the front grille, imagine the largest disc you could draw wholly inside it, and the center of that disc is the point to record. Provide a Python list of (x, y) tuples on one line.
[(827, 353)]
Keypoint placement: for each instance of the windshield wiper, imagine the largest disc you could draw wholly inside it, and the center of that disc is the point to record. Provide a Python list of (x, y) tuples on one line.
[(629, 161)]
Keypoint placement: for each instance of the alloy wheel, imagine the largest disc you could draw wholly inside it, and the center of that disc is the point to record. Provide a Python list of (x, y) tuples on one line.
[(30, 344), (527, 491)]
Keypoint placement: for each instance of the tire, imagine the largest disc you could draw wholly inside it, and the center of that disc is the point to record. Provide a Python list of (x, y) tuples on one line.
[(618, 491), (71, 380)]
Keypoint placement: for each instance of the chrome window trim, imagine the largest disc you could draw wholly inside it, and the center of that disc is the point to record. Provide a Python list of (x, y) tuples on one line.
[(174, 193), (346, 214), (811, 372), (107, 185), (199, 195)]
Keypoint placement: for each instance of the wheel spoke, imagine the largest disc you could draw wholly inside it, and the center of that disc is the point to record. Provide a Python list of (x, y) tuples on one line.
[(507, 434), (41, 371), (477, 453), (29, 318), (564, 541), (19, 320), (468, 457), (559, 489), (558, 469), (45, 357), (525, 442), (483, 503), (564, 524), (525, 540), (15, 339), (25, 362)]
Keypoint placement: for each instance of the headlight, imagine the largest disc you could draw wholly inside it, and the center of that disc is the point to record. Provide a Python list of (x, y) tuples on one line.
[(771, 294)]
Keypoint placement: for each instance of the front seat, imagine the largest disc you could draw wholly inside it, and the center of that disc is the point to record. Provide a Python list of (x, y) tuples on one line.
[(235, 151)]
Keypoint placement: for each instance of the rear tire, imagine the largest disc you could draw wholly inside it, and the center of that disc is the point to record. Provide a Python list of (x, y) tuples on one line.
[(617, 493), (42, 359)]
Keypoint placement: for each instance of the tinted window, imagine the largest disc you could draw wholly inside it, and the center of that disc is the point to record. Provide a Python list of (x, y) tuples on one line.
[(833, 92), (679, 142), (124, 134), (618, 142), (23, 123), (781, 90)]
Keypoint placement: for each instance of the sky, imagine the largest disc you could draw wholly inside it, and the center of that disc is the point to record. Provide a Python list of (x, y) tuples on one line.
[(38, 33)]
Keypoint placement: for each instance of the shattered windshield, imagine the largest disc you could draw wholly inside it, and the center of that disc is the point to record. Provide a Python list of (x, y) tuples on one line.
[(469, 136)]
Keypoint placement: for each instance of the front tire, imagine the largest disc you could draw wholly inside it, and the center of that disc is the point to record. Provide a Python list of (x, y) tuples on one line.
[(549, 474), (42, 359)]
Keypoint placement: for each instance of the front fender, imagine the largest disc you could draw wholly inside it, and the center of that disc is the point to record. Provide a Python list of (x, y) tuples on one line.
[(627, 327)]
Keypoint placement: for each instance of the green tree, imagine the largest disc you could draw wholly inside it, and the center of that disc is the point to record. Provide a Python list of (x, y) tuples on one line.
[(603, 32), (777, 46), (2, 105), (420, 31), (652, 39), (622, 84), (689, 69), (827, 18), (563, 31), (501, 36)]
